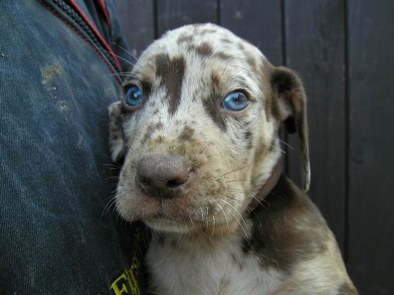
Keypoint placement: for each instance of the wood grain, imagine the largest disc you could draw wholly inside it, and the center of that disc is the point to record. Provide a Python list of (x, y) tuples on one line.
[(371, 162), (137, 21), (175, 13), (257, 21), (315, 48)]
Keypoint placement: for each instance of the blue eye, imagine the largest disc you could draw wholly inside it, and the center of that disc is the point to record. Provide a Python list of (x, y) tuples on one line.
[(134, 97), (236, 101)]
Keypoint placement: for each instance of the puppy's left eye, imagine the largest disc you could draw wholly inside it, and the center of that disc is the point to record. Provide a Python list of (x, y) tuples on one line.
[(134, 97), (236, 101)]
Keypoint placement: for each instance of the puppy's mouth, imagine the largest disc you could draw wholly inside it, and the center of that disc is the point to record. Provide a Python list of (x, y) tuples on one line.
[(173, 206), (170, 194)]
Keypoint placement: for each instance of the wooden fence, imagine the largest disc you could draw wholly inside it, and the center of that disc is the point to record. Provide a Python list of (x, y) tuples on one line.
[(344, 52)]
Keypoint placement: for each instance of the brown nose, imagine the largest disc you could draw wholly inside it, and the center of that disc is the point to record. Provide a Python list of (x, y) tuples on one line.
[(161, 176)]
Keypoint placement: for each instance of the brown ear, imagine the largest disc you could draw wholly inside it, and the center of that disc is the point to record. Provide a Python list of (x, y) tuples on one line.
[(290, 108), (116, 141)]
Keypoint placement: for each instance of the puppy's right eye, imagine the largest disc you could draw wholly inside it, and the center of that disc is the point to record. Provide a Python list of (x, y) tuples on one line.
[(235, 101), (134, 97)]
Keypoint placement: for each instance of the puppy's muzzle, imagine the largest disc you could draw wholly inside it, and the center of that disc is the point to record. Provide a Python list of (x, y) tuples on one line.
[(162, 176)]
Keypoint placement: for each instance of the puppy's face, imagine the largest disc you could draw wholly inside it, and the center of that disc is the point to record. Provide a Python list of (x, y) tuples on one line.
[(198, 128)]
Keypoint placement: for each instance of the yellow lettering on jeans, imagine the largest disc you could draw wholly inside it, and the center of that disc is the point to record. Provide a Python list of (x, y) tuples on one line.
[(118, 285), (129, 277)]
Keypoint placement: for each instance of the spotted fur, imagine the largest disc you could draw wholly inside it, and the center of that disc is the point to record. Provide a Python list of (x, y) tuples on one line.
[(237, 227)]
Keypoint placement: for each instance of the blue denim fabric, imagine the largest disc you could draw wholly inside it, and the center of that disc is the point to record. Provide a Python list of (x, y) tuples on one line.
[(55, 237)]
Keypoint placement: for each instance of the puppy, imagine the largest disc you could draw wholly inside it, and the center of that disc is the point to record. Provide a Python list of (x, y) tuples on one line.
[(198, 130)]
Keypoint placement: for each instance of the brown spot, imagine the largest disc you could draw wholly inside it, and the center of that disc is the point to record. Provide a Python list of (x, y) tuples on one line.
[(185, 38), (223, 56), (288, 229), (171, 72), (146, 88), (150, 130), (241, 46), (207, 31), (212, 107), (159, 139), (249, 139), (204, 49), (186, 134), (215, 80)]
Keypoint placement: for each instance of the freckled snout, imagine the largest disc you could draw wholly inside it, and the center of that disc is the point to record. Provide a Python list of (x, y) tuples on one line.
[(162, 176)]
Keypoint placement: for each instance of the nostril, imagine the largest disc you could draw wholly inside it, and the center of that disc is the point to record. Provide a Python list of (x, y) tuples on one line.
[(176, 182)]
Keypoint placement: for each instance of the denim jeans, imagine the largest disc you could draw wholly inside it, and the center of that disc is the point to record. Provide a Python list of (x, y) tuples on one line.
[(55, 235)]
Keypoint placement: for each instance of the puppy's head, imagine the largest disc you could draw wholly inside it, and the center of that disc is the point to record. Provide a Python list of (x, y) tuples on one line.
[(198, 129)]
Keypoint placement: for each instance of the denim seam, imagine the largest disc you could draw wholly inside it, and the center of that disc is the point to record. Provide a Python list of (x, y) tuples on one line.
[(89, 42)]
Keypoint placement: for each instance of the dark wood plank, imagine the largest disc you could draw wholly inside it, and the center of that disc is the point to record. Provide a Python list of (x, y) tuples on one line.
[(137, 22), (258, 21), (315, 48), (371, 185), (175, 13)]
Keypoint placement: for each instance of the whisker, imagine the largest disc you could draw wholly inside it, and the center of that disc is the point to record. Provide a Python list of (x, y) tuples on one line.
[(232, 171), (224, 213), (237, 169), (108, 206), (213, 228), (242, 219), (121, 58), (207, 217), (286, 144), (125, 50), (191, 222), (260, 202)]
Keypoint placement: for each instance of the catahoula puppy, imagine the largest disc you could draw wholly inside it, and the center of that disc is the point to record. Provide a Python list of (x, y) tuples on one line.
[(198, 130)]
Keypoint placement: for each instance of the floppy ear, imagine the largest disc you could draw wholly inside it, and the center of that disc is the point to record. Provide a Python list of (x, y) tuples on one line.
[(116, 141), (290, 108)]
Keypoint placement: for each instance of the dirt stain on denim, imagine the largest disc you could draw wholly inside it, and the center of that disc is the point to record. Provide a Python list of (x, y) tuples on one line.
[(49, 73)]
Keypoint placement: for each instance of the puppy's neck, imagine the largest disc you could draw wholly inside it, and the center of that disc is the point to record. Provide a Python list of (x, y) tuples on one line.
[(204, 239)]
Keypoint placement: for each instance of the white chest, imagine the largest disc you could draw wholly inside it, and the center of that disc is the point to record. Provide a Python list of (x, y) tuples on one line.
[(193, 268)]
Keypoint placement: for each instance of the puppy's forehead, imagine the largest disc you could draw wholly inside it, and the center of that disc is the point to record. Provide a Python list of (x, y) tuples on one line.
[(206, 45)]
